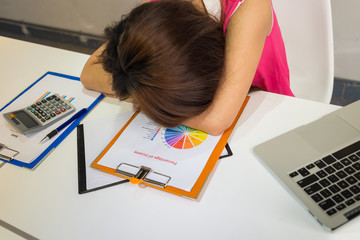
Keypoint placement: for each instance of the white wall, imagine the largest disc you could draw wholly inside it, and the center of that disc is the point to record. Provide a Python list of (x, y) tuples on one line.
[(91, 16), (346, 21), (87, 16)]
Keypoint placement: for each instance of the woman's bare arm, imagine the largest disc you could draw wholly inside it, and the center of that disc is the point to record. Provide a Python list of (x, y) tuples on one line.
[(93, 75), (245, 38)]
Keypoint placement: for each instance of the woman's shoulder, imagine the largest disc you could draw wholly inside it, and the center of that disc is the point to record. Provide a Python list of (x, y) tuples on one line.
[(231, 5)]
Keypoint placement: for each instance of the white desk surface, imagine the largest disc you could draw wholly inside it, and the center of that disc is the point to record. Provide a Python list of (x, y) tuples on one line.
[(241, 199)]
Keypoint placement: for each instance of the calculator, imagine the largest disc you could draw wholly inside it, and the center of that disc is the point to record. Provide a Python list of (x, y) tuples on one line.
[(40, 114)]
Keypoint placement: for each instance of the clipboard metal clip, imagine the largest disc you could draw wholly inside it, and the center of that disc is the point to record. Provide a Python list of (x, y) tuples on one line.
[(7, 153), (143, 174)]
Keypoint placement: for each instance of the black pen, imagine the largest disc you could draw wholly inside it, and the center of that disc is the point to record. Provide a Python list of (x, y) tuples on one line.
[(62, 126)]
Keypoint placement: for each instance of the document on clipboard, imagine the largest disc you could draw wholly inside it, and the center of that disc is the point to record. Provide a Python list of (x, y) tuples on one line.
[(25, 150), (176, 160), (92, 137)]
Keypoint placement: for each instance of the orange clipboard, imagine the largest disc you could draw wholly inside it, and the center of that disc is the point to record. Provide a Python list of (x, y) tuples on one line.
[(139, 177)]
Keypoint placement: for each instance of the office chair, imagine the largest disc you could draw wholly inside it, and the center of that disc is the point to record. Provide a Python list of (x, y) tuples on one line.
[(306, 26)]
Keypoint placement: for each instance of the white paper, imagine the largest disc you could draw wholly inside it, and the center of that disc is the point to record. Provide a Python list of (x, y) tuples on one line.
[(97, 135), (29, 145), (143, 143)]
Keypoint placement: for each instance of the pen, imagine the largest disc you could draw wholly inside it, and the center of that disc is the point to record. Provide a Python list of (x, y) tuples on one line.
[(65, 124)]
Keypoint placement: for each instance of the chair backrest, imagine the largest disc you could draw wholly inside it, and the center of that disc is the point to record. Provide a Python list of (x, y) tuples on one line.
[(306, 26)]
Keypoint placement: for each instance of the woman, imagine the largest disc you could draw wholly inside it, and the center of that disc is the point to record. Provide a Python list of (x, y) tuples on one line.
[(220, 71)]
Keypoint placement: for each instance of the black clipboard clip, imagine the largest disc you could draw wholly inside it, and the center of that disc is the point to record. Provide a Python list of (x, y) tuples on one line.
[(7, 153), (143, 174)]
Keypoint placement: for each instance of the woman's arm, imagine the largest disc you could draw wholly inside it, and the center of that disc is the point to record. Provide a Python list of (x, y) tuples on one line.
[(93, 75), (245, 38)]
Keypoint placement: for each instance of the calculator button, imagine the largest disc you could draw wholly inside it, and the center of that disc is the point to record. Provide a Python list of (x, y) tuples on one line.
[(43, 120), (57, 99), (38, 103), (50, 98), (57, 112), (43, 101), (33, 106), (63, 109), (47, 117), (52, 114), (68, 107)]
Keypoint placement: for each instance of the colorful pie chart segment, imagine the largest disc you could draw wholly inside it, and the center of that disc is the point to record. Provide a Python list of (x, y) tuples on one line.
[(183, 137)]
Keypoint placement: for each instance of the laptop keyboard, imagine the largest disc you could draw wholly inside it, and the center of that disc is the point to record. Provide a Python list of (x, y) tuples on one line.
[(333, 182)]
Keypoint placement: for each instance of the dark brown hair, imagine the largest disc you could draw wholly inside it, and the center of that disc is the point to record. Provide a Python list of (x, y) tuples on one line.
[(168, 56)]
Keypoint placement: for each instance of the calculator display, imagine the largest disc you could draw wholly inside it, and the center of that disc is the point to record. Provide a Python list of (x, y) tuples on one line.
[(25, 118)]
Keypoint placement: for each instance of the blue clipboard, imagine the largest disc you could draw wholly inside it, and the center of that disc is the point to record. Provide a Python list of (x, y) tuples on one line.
[(88, 100)]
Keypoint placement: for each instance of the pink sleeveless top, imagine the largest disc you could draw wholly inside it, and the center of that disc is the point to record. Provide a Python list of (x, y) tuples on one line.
[(272, 73)]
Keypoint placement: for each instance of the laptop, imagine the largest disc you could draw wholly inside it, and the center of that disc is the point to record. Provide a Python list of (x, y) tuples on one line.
[(320, 164)]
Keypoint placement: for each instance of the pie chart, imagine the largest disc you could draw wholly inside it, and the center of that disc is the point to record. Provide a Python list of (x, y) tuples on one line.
[(183, 137)]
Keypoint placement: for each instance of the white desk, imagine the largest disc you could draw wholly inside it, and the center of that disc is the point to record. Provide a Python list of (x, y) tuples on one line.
[(241, 200)]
